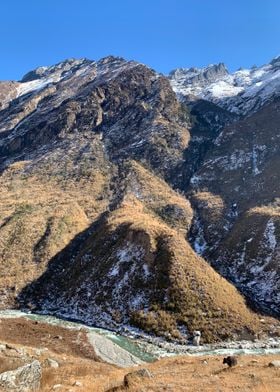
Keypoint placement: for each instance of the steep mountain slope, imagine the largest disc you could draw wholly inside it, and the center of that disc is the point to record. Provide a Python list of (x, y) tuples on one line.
[(91, 224), (236, 193), (134, 269), (58, 154)]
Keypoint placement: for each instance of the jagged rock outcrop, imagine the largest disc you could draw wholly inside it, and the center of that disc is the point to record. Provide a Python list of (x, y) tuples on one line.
[(193, 77), (241, 92)]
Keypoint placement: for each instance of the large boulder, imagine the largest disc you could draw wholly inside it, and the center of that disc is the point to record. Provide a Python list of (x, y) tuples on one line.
[(26, 378)]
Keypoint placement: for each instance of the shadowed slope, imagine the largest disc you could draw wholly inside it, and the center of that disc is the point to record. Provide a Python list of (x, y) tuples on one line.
[(133, 268)]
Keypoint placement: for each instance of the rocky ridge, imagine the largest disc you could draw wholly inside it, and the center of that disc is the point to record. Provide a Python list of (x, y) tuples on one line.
[(241, 92)]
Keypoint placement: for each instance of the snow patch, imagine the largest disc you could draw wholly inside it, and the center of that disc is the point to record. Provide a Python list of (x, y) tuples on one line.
[(269, 235), (34, 85)]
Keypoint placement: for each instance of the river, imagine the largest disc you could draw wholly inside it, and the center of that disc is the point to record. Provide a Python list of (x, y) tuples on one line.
[(149, 348)]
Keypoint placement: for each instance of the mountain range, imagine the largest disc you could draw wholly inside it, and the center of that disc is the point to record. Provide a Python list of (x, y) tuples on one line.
[(131, 199)]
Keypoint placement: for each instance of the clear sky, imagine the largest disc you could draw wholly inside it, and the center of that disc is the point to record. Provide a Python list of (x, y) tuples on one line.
[(163, 34)]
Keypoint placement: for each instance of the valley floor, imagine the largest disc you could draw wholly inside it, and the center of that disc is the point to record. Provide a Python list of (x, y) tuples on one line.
[(80, 369)]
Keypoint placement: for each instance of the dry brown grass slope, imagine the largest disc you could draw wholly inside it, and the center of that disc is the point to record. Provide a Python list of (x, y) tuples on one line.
[(43, 206), (136, 269)]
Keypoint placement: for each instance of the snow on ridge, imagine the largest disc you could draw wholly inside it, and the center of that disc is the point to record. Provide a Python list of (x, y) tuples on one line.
[(238, 92), (107, 69), (52, 74), (34, 85)]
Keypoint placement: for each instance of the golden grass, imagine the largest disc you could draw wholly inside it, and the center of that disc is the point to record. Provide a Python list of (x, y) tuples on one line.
[(212, 206), (208, 374), (269, 210), (157, 195), (198, 297), (177, 374), (39, 216)]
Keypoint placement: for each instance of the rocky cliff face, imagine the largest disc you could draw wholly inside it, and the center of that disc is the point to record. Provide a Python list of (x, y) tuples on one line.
[(107, 179), (236, 194)]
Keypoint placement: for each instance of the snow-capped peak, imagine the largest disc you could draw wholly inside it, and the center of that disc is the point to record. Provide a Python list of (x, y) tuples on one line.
[(241, 92), (199, 76)]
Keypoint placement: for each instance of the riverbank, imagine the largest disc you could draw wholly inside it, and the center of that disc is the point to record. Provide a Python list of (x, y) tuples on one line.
[(148, 348), (79, 368)]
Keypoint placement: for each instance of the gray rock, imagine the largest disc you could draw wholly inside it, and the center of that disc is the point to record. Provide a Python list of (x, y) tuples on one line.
[(52, 363), (77, 384), (26, 378), (40, 351), (3, 347)]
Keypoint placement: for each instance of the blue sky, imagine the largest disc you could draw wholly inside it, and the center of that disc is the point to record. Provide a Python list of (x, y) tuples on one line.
[(163, 34)]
